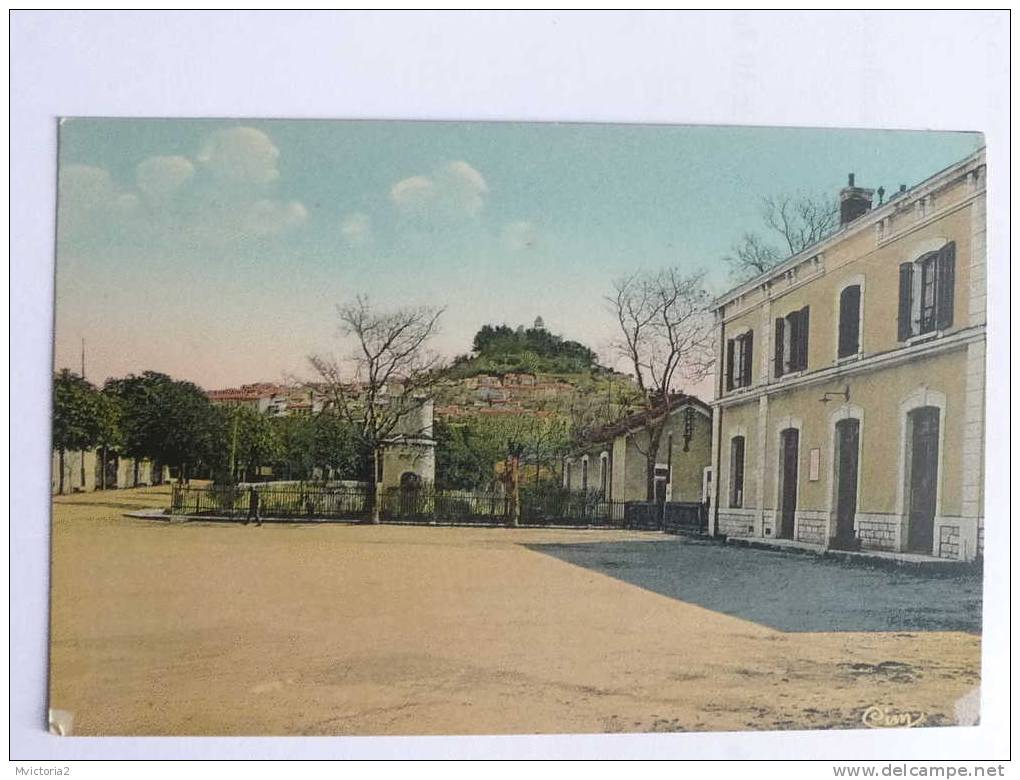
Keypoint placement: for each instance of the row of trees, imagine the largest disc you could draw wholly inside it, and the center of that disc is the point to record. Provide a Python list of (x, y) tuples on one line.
[(172, 422)]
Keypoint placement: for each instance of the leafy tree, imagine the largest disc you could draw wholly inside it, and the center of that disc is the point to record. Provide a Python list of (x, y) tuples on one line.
[(109, 430), (337, 447), (467, 450), (76, 425), (502, 349), (169, 421), (465, 455), (295, 456), (252, 441)]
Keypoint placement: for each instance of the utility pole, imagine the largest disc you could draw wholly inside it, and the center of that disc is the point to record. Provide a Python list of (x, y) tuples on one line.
[(103, 472), (233, 449)]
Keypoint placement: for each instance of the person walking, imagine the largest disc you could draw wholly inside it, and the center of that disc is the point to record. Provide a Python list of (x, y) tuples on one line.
[(253, 507)]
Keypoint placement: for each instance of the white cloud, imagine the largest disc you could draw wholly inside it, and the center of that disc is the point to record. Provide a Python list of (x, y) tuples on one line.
[(454, 191), (267, 217), (241, 155), (90, 199), (228, 197), (463, 187), (413, 195), (356, 228), (160, 178), (519, 236)]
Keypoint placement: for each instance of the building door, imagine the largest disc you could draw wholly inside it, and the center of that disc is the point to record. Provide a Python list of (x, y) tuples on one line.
[(848, 433), (922, 485), (660, 489), (789, 446)]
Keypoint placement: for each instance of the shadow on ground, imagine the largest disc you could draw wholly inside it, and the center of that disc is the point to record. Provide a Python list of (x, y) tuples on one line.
[(785, 591)]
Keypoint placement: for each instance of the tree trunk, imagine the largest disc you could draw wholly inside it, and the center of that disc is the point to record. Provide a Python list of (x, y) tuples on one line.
[(515, 491), (654, 439), (377, 482), (60, 460), (102, 468)]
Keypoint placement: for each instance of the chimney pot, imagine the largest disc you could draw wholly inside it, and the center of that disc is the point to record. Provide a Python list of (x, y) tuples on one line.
[(853, 202)]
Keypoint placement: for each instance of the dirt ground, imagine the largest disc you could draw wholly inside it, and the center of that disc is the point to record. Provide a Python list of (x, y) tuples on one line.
[(205, 629)]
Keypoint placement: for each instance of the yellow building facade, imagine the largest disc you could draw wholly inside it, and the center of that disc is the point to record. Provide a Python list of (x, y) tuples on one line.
[(849, 408), (614, 461)]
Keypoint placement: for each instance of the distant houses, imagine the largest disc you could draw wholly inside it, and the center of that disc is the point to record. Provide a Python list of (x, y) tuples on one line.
[(271, 399)]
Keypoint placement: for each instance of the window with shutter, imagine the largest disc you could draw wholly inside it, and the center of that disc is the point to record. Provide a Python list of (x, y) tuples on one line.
[(927, 294), (927, 287), (729, 364), (946, 284), (792, 342), (849, 321), (906, 328), (802, 353), (747, 352), (738, 361), (778, 338)]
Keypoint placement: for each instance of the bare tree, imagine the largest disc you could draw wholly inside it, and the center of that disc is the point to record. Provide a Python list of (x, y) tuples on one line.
[(666, 339), (752, 256), (796, 222), (382, 386)]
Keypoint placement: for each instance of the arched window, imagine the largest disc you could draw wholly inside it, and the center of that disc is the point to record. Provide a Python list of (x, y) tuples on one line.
[(584, 474), (604, 474), (850, 321)]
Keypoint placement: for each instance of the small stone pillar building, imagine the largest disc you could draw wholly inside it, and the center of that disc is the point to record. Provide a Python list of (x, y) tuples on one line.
[(409, 456)]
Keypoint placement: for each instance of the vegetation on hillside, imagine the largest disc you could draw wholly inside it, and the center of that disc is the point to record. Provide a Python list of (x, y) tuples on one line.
[(500, 349)]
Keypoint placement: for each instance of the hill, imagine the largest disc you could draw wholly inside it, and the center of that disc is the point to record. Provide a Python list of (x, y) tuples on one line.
[(500, 349)]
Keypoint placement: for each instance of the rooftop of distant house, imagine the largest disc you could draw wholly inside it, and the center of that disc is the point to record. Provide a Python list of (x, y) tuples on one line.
[(637, 420)]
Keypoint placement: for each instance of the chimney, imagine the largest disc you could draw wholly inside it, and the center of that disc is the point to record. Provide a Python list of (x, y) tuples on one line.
[(853, 202)]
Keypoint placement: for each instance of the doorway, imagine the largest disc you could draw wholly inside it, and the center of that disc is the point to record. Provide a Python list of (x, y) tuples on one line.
[(922, 477), (848, 436), (789, 454)]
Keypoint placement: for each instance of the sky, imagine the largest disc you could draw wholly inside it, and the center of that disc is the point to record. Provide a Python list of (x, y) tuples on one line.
[(217, 250)]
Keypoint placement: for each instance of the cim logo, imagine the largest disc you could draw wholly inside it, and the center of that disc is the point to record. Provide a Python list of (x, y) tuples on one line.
[(877, 717)]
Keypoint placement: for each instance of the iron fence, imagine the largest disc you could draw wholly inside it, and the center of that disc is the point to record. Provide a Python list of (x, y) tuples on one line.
[(438, 507), (292, 501), (685, 517), (673, 517), (580, 509), (398, 505)]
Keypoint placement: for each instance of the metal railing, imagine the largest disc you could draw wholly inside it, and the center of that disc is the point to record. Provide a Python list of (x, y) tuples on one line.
[(316, 502), (291, 501)]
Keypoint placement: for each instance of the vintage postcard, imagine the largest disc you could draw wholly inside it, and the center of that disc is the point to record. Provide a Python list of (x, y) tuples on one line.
[(409, 428)]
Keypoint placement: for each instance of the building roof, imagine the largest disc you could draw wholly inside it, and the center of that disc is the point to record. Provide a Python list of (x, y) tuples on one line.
[(637, 420), (866, 220)]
